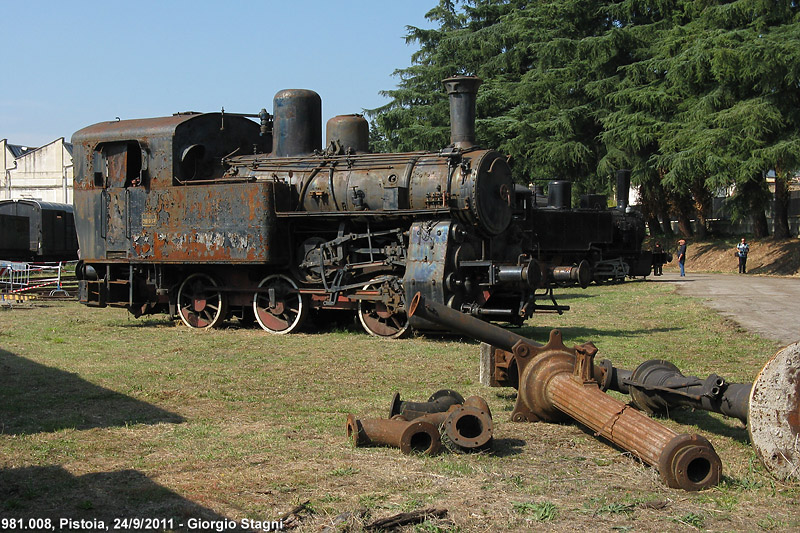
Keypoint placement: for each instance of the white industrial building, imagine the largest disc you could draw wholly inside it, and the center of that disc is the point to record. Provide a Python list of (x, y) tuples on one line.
[(43, 173)]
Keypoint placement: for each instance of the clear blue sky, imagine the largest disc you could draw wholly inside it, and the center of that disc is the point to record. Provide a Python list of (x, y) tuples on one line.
[(69, 64)]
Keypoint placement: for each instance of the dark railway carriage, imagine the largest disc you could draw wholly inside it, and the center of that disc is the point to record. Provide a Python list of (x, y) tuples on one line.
[(31, 230), (609, 239), (207, 216)]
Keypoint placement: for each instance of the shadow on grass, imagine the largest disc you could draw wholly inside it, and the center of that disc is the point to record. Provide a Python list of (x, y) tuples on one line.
[(569, 296), (507, 447), (36, 398), (39, 492), (542, 334), (148, 323), (732, 428)]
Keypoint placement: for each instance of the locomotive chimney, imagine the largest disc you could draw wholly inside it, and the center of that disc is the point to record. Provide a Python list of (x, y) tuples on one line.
[(463, 91), (623, 186)]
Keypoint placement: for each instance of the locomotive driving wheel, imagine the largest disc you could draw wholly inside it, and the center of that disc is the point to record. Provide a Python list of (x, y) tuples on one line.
[(280, 308), (386, 318), (201, 305)]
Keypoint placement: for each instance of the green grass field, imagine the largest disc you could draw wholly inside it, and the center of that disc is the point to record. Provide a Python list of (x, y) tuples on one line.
[(103, 416)]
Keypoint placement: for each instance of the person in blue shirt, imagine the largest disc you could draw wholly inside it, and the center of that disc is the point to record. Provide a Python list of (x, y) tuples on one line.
[(742, 249), (682, 255)]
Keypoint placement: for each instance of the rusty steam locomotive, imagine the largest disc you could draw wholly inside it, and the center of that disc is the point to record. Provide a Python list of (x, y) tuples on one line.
[(209, 216)]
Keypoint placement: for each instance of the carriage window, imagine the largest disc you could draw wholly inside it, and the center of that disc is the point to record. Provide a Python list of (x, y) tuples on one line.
[(119, 164)]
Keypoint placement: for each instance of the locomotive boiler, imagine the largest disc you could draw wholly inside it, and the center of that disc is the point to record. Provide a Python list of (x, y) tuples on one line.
[(211, 216)]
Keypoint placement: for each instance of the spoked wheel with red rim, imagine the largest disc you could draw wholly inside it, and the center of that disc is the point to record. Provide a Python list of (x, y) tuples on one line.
[(387, 318), (201, 305), (278, 305)]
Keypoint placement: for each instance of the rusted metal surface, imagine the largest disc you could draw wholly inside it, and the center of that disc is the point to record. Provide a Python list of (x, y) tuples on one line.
[(774, 422), (347, 134), (298, 122), (462, 91), (656, 386), (231, 223), (770, 406), (466, 423), (411, 436), (556, 382), (470, 426), (438, 402)]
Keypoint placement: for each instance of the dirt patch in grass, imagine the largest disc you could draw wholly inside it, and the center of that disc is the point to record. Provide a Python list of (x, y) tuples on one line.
[(105, 416)]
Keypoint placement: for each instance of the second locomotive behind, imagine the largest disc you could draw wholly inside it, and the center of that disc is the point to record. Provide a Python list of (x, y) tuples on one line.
[(208, 216)]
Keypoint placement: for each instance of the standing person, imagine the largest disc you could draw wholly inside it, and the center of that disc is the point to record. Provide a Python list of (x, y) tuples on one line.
[(742, 249), (682, 255), (658, 259)]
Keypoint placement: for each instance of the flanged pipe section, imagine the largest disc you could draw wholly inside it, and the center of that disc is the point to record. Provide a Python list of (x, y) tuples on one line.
[(415, 436), (470, 427), (689, 462)]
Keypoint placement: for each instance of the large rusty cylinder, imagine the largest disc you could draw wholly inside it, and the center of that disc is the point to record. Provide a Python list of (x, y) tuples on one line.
[(475, 186), (297, 124), (411, 436), (347, 134), (556, 383), (684, 461), (656, 386), (770, 406), (439, 401)]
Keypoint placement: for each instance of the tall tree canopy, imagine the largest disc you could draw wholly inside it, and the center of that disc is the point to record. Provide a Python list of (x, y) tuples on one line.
[(694, 96)]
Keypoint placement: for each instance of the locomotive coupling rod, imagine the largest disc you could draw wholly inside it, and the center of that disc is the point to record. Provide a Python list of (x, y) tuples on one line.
[(556, 382), (411, 436)]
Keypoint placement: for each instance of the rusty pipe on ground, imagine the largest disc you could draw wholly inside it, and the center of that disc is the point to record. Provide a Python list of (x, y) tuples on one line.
[(414, 436), (770, 406), (439, 401), (556, 382), (468, 424)]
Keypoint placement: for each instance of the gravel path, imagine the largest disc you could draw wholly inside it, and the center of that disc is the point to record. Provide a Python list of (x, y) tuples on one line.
[(769, 306)]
